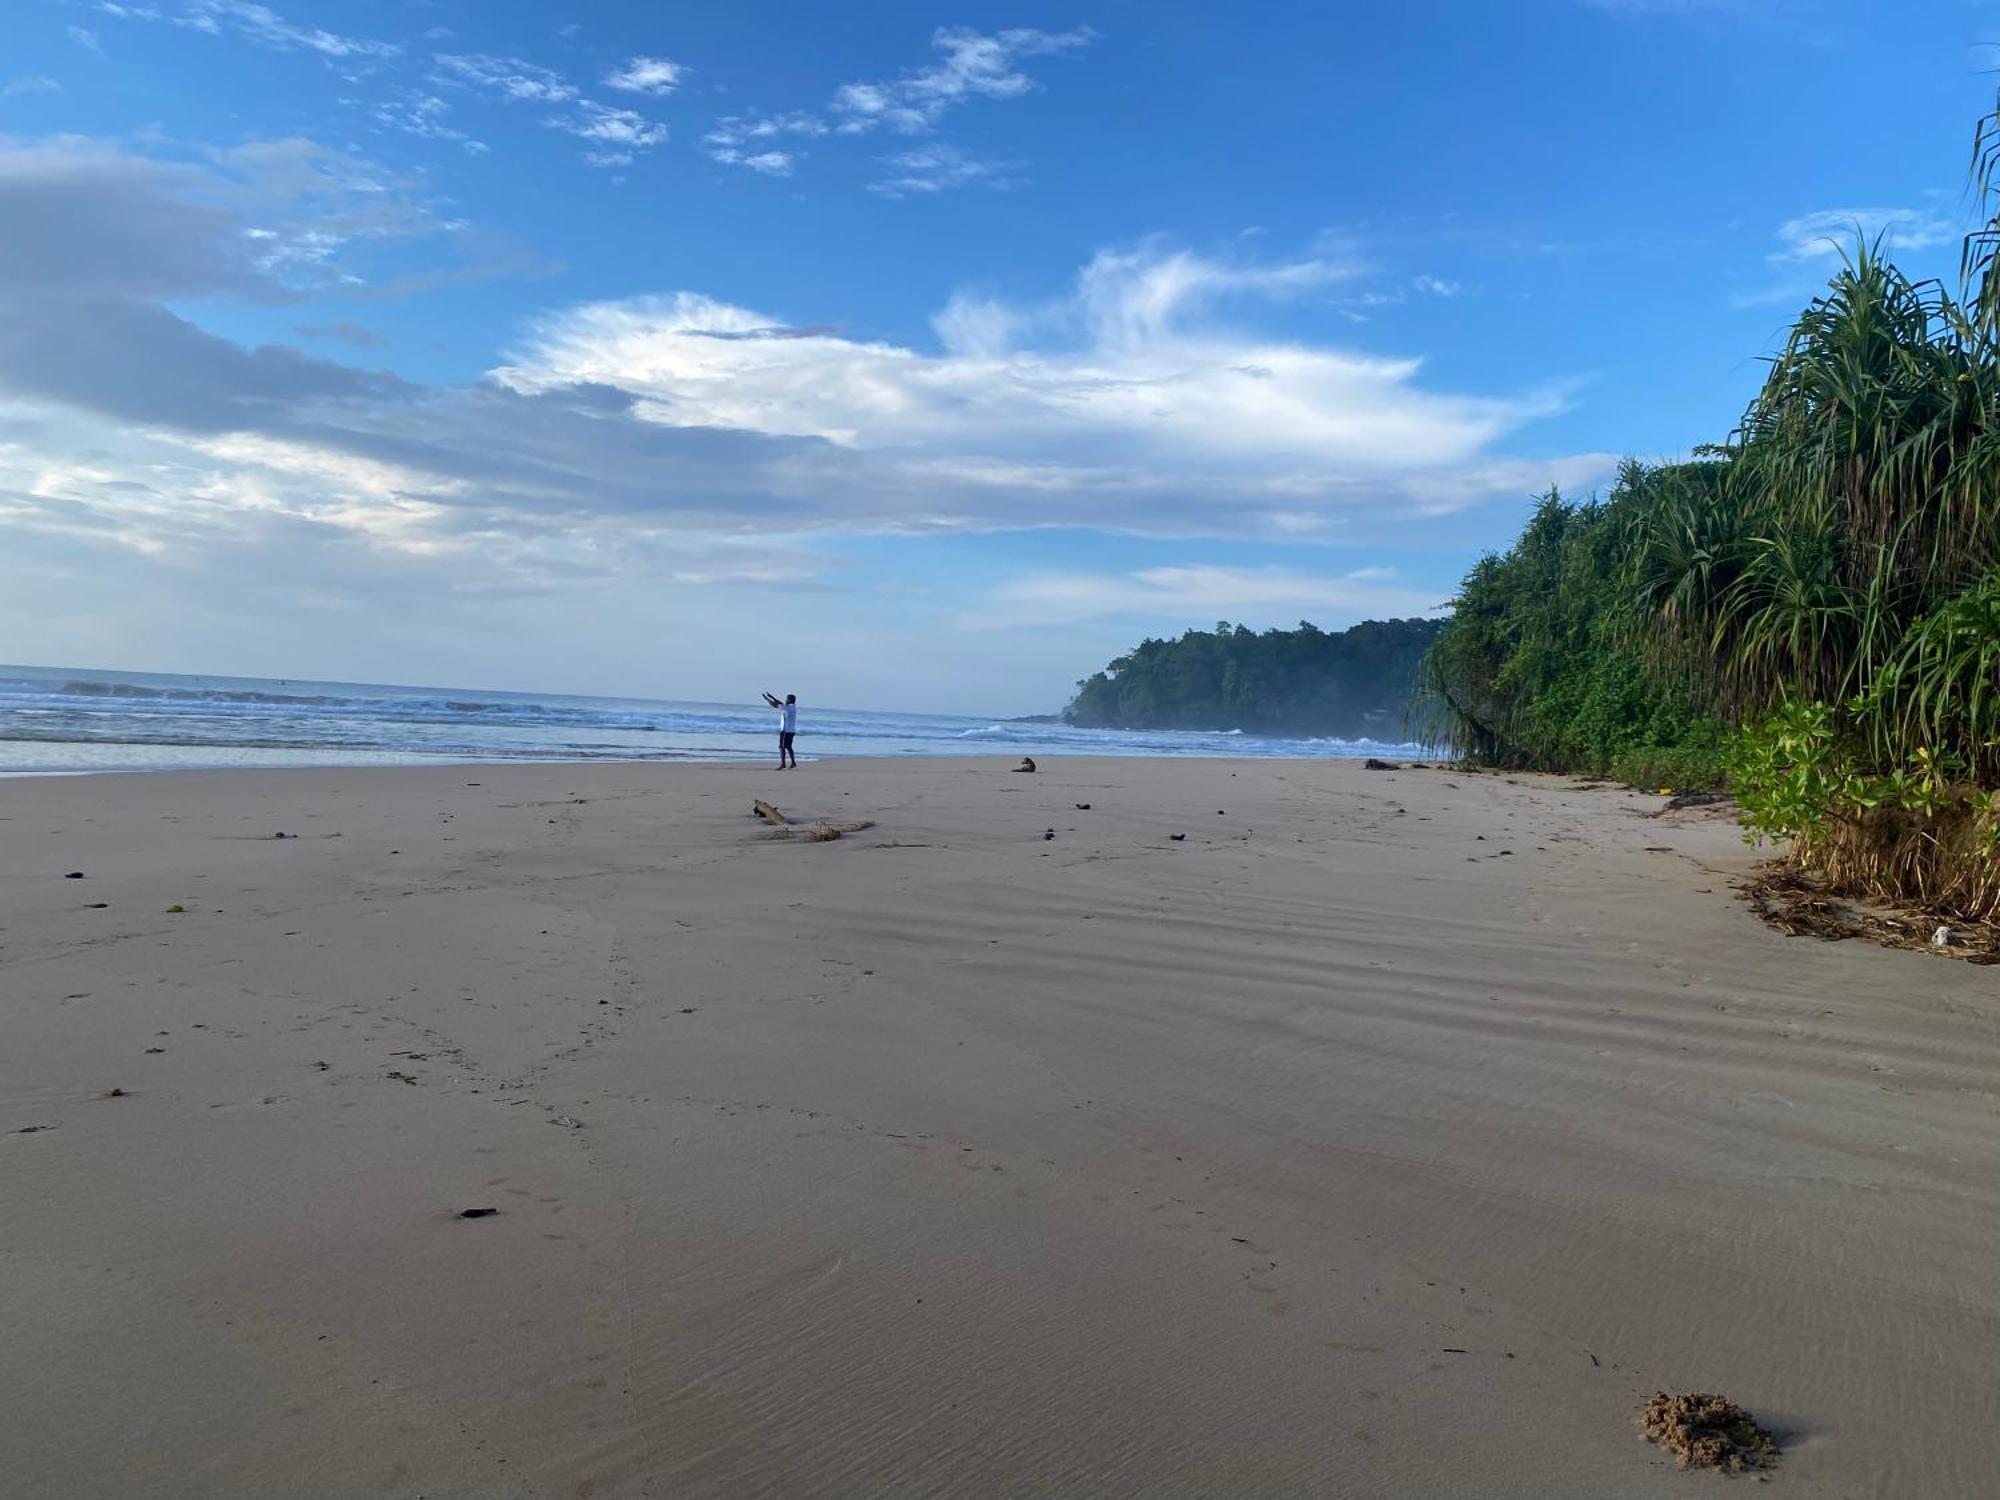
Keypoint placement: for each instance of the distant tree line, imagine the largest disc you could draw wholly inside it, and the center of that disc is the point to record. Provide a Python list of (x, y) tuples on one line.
[(1307, 682)]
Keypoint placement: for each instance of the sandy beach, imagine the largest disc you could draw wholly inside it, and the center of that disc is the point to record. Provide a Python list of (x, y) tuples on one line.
[(1387, 1133)]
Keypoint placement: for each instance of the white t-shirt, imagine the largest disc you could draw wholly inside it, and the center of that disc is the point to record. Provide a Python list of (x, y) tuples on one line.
[(788, 718)]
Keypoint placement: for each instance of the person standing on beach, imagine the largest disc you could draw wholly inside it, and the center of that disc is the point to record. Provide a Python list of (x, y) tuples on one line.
[(788, 725)]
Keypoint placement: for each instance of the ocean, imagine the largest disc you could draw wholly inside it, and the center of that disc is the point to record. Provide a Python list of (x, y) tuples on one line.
[(55, 720)]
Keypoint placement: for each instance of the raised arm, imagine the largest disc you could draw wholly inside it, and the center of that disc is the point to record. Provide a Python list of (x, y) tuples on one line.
[(773, 700)]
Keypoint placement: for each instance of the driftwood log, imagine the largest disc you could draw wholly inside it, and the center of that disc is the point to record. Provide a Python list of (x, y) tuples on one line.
[(820, 831)]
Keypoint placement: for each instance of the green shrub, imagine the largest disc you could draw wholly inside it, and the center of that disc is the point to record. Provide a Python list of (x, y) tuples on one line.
[(1918, 832), (1673, 768)]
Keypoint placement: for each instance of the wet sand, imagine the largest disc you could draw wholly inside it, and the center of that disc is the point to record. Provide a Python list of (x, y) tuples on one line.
[(1391, 1133)]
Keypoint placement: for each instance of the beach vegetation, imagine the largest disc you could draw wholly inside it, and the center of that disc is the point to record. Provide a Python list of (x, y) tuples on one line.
[(1809, 611)]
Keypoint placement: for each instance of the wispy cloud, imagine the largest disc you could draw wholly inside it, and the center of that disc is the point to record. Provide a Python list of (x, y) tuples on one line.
[(1358, 306), (615, 134), (261, 24), (970, 65), (621, 129), (87, 39), (1196, 592), (934, 168), (747, 140), (33, 83), (770, 163), (511, 78), (1826, 233), (1809, 246), (422, 114), (646, 75)]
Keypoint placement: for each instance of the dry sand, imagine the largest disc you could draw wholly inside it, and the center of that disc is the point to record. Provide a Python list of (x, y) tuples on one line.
[(1392, 1134)]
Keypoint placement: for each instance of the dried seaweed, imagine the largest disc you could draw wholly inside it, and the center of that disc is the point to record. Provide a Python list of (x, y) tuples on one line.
[(1800, 906), (1705, 1431)]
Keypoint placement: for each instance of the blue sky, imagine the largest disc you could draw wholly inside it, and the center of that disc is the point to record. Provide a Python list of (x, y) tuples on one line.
[(902, 355)]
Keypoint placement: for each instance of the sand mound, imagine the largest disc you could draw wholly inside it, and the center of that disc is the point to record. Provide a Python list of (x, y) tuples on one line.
[(1705, 1431)]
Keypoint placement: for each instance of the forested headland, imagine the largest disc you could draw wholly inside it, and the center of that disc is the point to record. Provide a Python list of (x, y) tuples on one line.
[(1809, 610), (1345, 684)]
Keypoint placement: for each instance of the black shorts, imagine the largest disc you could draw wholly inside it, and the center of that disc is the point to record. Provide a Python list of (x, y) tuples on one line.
[(785, 739)]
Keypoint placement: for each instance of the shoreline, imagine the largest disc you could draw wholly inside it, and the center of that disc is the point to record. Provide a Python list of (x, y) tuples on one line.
[(1387, 1132), (72, 721), (834, 757)]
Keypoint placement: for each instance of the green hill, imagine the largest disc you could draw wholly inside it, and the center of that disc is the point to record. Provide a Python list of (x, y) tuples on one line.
[(1308, 682)]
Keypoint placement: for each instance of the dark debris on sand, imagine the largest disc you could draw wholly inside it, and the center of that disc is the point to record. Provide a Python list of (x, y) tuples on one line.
[(1705, 1431), (1681, 801), (1800, 907)]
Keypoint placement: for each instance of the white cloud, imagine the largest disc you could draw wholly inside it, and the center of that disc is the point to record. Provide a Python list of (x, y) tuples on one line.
[(1823, 235), (512, 78), (1123, 402), (971, 65), (261, 24), (33, 83), (421, 114), (616, 135), (770, 163), (1811, 245), (646, 75), (1357, 307), (1198, 592), (935, 168), (735, 140), (610, 126), (87, 39), (1146, 398)]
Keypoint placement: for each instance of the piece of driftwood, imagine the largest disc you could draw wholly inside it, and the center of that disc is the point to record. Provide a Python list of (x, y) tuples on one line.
[(825, 831), (819, 831)]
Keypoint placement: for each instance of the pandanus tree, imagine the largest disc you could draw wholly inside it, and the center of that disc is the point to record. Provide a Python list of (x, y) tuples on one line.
[(1841, 548), (1859, 497)]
